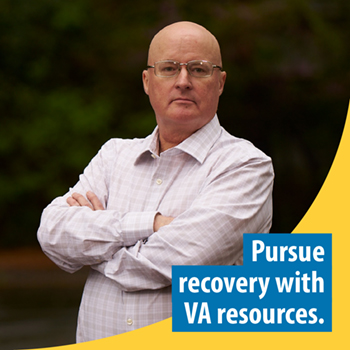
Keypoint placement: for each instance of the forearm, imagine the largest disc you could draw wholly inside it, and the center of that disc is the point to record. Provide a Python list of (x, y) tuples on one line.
[(76, 231), (210, 232), (215, 240), (77, 236)]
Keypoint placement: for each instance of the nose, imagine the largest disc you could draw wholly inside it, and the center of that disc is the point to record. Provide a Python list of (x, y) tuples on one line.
[(183, 79)]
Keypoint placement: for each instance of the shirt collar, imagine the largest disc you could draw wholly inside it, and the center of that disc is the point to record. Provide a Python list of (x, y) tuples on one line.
[(197, 145)]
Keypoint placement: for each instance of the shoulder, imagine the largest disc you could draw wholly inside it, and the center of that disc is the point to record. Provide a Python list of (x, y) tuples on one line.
[(237, 150), (118, 145), (235, 156)]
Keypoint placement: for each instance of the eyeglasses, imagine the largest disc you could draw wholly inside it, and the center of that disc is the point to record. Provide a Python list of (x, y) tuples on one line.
[(198, 68)]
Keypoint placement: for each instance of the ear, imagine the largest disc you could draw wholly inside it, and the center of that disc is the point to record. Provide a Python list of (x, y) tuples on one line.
[(145, 80), (222, 82)]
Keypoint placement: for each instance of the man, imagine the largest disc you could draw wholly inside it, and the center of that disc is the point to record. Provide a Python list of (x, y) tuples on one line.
[(182, 196)]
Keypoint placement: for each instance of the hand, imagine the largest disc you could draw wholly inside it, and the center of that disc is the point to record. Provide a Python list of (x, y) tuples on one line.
[(161, 220), (78, 200)]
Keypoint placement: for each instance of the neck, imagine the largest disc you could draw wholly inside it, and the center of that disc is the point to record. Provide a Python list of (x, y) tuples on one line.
[(171, 139)]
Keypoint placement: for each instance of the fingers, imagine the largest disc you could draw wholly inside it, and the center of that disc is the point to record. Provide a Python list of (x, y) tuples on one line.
[(79, 200), (72, 202), (94, 200), (160, 221)]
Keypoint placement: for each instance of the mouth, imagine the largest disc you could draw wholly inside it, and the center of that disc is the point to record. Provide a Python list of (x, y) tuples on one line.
[(183, 100)]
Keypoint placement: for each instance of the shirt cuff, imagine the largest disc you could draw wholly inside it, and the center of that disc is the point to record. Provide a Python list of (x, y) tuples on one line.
[(137, 226)]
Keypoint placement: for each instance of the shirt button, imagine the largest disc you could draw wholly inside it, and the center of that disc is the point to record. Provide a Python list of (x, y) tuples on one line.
[(153, 156), (129, 321), (159, 181)]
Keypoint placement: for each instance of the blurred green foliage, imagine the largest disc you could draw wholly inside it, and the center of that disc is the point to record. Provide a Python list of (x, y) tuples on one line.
[(70, 79)]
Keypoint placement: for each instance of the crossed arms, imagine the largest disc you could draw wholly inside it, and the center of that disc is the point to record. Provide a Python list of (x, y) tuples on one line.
[(91, 201), (137, 249)]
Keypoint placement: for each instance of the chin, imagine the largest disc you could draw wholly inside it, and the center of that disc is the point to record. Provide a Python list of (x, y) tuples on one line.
[(184, 115)]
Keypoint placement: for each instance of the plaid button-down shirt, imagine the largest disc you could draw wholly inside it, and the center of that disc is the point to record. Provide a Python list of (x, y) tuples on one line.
[(216, 186)]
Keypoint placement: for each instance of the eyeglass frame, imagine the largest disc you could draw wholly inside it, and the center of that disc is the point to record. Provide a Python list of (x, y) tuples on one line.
[(184, 64)]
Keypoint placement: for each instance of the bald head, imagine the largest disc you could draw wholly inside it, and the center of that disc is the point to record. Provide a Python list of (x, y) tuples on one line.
[(183, 103), (181, 34)]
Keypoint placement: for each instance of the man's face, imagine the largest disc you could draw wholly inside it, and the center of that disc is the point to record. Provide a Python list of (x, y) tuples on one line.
[(183, 101)]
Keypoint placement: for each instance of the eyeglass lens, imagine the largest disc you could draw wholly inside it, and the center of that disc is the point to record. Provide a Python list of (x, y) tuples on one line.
[(195, 68)]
